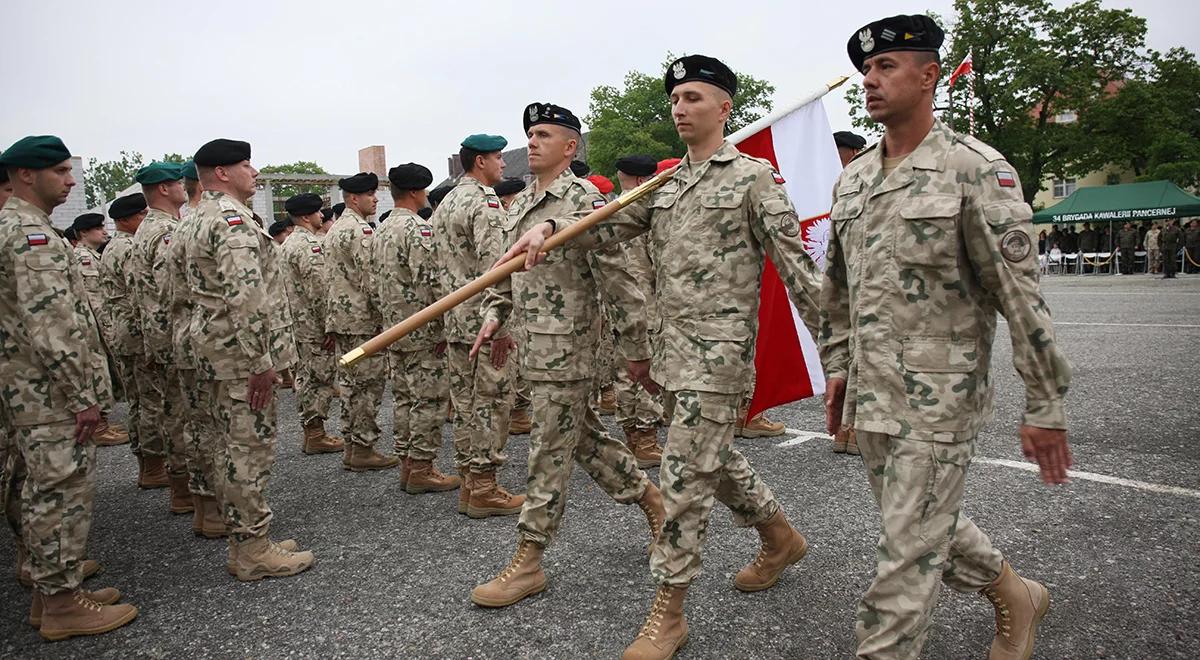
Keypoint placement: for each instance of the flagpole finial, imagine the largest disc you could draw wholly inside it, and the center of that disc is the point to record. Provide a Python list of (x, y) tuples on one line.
[(836, 82)]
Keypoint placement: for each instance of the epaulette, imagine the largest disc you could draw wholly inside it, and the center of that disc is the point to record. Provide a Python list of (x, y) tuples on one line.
[(980, 147), (865, 150)]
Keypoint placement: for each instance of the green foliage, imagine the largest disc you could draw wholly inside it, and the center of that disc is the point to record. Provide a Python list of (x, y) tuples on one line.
[(174, 158), (107, 178), (637, 118), (288, 190)]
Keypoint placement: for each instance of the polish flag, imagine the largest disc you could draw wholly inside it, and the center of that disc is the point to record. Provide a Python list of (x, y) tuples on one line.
[(965, 67), (799, 143)]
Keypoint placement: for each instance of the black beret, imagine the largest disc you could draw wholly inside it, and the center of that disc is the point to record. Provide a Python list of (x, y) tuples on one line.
[(701, 68), (849, 140), (88, 221), (327, 214), (303, 204), (385, 215), (637, 165), (222, 152), (123, 207), (438, 194), (425, 212), (410, 176), (70, 234), (279, 226), (904, 32), (548, 113), (339, 209), (580, 168), (36, 152), (509, 187), (362, 182)]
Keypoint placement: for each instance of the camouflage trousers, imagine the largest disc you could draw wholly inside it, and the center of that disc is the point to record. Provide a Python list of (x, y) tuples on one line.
[(162, 416), (606, 348), (316, 371), (243, 455), (482, 398), (925, 540), (419, 391), (131, 369), (198, 433), (566, 431), (522, 394), (56, 503), (635, 406), (12, 476), (700, 464), (363, 386)]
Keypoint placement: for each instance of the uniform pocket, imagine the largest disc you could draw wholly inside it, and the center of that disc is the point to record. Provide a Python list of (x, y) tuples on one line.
[(722, 200), (929, 236), (551, 342), (939, 356)]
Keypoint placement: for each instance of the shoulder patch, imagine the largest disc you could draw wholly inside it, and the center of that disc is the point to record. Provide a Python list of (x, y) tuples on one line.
[(493, 202), (367, 231), (234, 220), (1006, 179), (777, 176), (316, 249), (37, 239), (426, 232), (166, 239), (980, 147), (598, 204)]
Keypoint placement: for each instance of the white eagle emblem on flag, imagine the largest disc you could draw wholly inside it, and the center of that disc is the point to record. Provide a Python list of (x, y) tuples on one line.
[(815, 232)]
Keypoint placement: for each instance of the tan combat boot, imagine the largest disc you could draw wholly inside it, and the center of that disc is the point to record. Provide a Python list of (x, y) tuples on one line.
[(1020, 605), (464, 493), (519, 422), (109, 435), (839, 440), (608, 400), (317, 441), (181, 498), (261, 557), (88, 568), (489, 498), (197, 515), (231, 556), (358, 458), (424, 477), (523, 577), (782, 546), (852, 442), (405, 470), (212, 521), (665, 630), (643, 444), (759, 427), (105, 596), (73, 613), (651, 504), (152, 472)]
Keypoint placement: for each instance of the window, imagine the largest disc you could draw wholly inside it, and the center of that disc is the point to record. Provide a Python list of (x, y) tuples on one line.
[(1063, 188), (1068, 117)]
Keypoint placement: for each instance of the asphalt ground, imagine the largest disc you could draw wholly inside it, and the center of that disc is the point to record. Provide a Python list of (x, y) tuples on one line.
[(394, 571)]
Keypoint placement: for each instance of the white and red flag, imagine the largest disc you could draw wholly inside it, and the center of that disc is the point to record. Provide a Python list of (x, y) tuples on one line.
[(799, 143), (965, 67)]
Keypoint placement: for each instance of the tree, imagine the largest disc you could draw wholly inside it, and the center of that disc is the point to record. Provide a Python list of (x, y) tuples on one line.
[(288, 190), (105, 179), (637, 118), (174, 158), (1034, 62)]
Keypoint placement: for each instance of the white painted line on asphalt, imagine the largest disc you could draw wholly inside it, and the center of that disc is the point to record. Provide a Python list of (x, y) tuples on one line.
[(1068, 292), (801, 437), (1099, 478), (1126, 325)]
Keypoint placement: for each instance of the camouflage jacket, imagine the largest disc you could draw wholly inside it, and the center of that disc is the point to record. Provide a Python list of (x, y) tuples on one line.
[(350, 284), (181, 302), (710, 228), (918, 265), (304, 274), (118, 269), (559, 302), (467, 227), (152, 243), (52, 361), (237, 314), (405, 260), (89, 266)]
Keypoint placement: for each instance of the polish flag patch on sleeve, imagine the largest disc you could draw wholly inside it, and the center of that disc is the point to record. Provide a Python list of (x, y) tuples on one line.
[(426, 232), (367, 231), (1006, 179), (316, 249), (493, 203), (37, 239), (234, 220), (166, 239), (778, 177), (598, 204)]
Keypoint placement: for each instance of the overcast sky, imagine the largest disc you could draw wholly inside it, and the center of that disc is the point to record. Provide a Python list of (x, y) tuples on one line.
[(302, 81)]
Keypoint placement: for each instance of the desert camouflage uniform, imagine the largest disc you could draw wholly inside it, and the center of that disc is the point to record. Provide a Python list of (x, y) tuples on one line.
[(89, 264), (637, 408), (12, 480), (162, 399), (406, 261), (350, 312), (710, 228), (467, 229), (52, 366), (118, 272), (236, 324), (560, 305), (919, 263), (316, 368)]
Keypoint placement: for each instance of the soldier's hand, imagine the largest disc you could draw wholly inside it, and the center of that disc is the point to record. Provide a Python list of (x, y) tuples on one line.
[(440, 349), (86, 422), (485, 334), (835, 397), (328, 344), (500, 350), (639, 372), (259, 389), (531, 244), (1048, 448)]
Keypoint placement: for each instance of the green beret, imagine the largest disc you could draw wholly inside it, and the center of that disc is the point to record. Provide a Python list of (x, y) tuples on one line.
[(189, 171), (158, 172), (485, 143), (37, 152)]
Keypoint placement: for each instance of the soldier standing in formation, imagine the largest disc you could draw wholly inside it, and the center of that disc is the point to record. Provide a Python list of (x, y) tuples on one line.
[(560, 306), (467, 226), (1170, 240), (351, 318), (55, 364), (240, 310), (1127, 242), (931, 238)]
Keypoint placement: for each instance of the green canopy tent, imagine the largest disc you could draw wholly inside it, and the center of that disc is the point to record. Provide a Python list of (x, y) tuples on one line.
[(1128, 202)]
